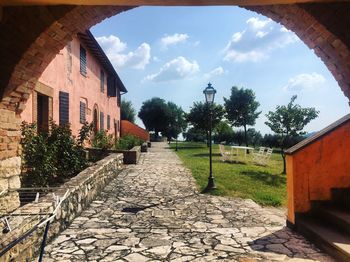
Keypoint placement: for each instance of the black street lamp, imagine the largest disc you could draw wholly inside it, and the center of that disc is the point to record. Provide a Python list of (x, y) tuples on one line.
[(209, 93)]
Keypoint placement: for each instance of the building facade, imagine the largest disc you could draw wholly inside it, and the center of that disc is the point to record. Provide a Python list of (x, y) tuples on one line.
[(80, 85)]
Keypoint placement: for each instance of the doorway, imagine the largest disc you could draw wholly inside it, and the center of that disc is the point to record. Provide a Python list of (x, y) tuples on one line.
[(95, 121), (42, 113)]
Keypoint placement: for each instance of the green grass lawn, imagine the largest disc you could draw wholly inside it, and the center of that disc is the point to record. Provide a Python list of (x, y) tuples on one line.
[(264, 184)]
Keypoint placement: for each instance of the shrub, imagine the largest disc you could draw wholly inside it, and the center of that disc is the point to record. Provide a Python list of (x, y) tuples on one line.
[(127, 142), (85, 133), (102, 140), (50, 157)]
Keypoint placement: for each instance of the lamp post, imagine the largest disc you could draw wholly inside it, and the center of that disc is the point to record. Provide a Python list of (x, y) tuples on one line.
[(209, 93)]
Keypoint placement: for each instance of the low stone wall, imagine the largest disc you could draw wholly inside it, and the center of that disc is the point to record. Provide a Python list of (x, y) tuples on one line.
[(83, 188), (10, 169), (131, 156)]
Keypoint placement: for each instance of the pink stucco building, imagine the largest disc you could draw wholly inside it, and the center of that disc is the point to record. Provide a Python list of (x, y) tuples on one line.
[(79, 85)]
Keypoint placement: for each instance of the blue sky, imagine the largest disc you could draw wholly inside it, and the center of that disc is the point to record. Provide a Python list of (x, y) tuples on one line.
[(173, 52)]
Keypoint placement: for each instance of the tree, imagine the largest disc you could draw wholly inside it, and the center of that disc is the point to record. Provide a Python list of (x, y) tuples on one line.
[(198, 116), (289, 122), (176, 121), (271, 140), (241, 109), (254, 137), (155, 115), (195, 135), (238, 137), (127, 111), (223, 132)]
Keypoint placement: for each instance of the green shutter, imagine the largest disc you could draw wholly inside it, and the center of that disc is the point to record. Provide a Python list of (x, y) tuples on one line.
[(63, 108), (83, 61), (102, 121), (102, 78), (82, 112)]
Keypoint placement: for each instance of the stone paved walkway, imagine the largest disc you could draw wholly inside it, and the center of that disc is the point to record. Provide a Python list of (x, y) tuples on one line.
[(153, 212)]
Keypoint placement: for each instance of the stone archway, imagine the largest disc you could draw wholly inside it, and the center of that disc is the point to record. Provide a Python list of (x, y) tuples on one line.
[(32, 36)]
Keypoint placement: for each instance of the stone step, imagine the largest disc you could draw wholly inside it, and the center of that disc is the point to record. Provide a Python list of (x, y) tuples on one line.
[(341, 197), (325, 236), (338, 217)]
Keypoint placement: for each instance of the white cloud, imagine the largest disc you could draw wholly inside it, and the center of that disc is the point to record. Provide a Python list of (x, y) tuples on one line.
[(257, 41), (305, 81), (178, 68), (156, 59), (253, 56), (215, 72), (114, 49), (173, 39), (256, 24)]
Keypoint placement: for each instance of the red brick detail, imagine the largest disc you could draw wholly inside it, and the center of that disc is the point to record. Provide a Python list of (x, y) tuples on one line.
[(132, 129), (32, 37)]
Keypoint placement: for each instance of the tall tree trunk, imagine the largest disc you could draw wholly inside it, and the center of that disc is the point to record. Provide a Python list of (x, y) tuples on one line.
[(283, 154), (284, 162), (245, 136)]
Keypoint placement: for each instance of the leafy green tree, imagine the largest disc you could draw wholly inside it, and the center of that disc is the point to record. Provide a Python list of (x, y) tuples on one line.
[(241, 109), (271, 140), (238, 137), (199, 114), (223, 132), (176, 121), (155, 115), (127, 111), (195, 135), (289, 122), (254, 137)]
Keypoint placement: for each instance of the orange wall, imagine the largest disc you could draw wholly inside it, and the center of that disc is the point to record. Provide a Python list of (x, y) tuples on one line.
[(80, 88), (317, 168), (130, 128)]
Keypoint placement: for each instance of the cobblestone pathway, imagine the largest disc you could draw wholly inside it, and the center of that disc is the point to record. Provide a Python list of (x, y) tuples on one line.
[(153, 212)]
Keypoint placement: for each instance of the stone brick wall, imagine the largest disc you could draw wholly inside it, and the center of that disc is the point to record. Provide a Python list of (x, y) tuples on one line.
[(83, 188), (131, 156), (10, 162)]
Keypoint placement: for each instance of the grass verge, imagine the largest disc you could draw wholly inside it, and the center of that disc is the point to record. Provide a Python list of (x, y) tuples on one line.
[(264, 184)]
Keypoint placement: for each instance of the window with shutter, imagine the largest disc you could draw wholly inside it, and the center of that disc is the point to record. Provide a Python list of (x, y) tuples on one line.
[(102, 121), (83, 61), (63, 108), (102, 77), (108, 122), (82, 112), (111, 89)]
